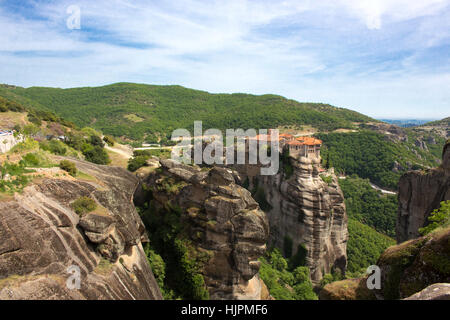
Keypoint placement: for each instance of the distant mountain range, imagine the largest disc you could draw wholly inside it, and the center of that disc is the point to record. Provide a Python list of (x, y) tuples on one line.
[(406, 123), (139, 110)]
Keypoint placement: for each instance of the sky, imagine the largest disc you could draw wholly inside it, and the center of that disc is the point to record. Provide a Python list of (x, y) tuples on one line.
[(383, 58)]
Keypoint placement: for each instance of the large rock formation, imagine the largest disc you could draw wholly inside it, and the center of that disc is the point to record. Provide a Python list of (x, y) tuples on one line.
[(44, 242), (221, 219), (405, 270), (437, 291), (420, 192), (413, 265), (307, 215)]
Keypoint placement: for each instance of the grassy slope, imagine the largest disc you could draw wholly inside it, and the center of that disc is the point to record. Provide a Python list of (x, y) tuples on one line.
[(164, 108)]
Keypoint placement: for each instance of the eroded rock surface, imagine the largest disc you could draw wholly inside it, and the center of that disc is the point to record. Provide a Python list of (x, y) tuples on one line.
[(437, 291), (413, 265), (420, 192), (41, 237), (305, 211), (221, 219)]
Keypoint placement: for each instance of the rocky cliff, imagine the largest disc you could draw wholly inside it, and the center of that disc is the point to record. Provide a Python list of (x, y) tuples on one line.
[(44, 242), (306, 212), (219, 219), (414, 265), (420, 192), (405, 269)]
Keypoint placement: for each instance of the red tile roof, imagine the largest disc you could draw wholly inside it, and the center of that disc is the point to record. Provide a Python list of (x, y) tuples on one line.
[(310, 141)]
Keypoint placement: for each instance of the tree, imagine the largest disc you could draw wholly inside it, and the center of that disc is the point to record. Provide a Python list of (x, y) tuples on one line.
[(438, 218), (96, 154)]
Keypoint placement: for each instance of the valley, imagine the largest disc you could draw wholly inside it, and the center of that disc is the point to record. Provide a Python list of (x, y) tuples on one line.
[(137, 220)]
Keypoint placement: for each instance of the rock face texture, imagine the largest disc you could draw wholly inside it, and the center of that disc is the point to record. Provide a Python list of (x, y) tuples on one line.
[(415, 269), (221, 219), (437, 291), (413, 265), (349, 289), (307, 215), (419, 194), (44, 242)]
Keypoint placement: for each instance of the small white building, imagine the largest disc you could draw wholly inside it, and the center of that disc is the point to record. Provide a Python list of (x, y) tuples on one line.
[(7, 140)]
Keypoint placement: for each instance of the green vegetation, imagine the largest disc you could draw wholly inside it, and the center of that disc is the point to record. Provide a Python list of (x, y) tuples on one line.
[(364, 246), (95, 154), (140, 157), (12, 177), (110, 141), (439, 218), (161, 109), (282, 282), (183, 262), (54, 146), (370, 155), (7, 105), (159, 270), (68, 166), (37, 159), (327, 179), (35, 116), (136, 163), (368, 205), (83, 205), (371, 222)]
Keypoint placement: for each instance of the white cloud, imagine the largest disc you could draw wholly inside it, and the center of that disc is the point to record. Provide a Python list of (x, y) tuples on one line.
[(308, 50)]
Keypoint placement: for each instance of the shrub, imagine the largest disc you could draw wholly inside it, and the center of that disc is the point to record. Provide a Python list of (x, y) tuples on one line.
[(95, 154), (54, 146), (137, 162), (68, 166), (96, 141), (31, 159), (438, 218), (109, 140), (83, 205)]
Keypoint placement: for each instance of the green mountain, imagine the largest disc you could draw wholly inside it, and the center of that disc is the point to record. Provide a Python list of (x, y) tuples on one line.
[(139, 110), (442, 122), (381, 157)]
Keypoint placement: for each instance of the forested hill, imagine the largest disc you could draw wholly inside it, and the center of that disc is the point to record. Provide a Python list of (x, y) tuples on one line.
[(139, 109)]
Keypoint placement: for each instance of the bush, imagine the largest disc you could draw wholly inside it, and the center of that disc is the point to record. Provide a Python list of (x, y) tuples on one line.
[(54, 146), (95, 154), (109, 140), (84, 205), (96, 141), (68, 166), (438, 218), (137, 162), (281, 282), (31, 159)]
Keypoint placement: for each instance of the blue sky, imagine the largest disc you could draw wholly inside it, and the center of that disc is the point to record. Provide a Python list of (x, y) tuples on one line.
[(384, 58)]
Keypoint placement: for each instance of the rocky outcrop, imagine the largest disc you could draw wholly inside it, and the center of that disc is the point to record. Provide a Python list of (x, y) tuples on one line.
[(437, 291), (44, 243), (415, 269), (8, 140), (219, 218), (306, 212), (413, 265), (349, 289), (420, 192)]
